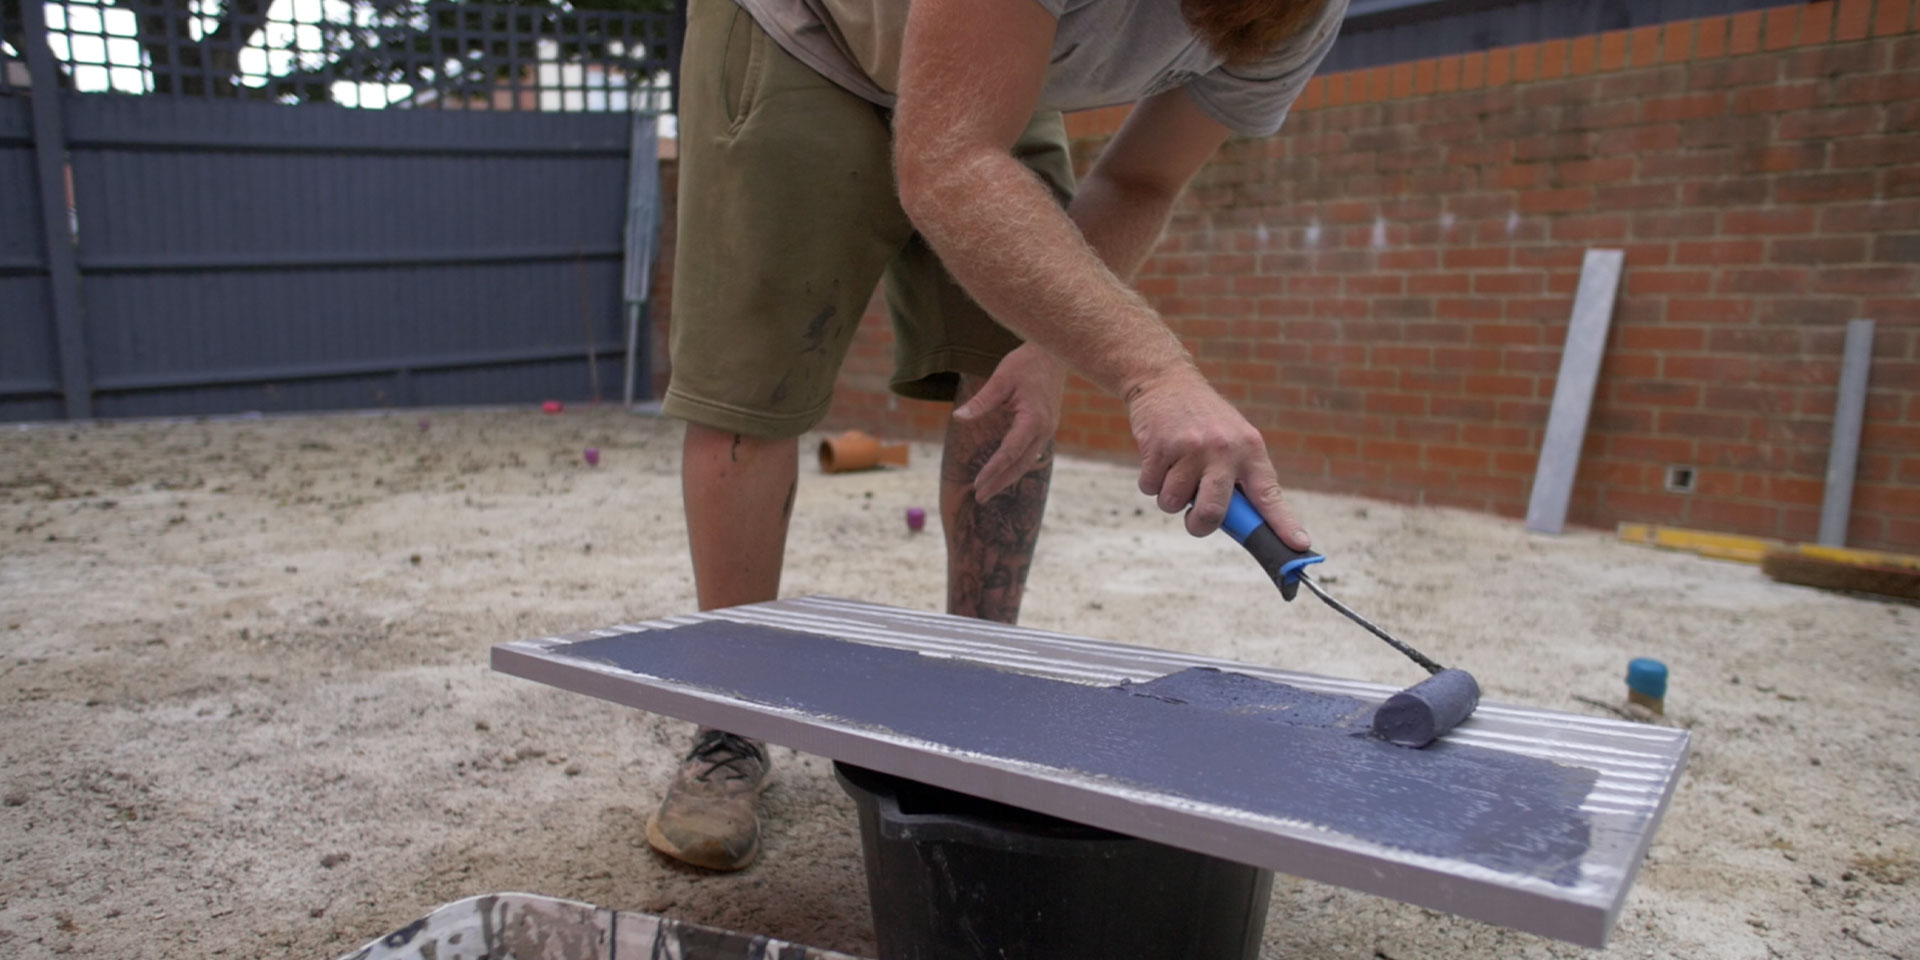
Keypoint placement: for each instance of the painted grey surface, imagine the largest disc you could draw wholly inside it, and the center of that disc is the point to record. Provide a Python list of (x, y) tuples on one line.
[(246, 256), (1636, 767), (1580, 359), (1380, 32), (1849, 410), (29, 362), (1210, 744)]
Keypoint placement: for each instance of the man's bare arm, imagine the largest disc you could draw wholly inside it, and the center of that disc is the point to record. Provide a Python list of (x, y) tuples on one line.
[(971, 74), (1123, 204)]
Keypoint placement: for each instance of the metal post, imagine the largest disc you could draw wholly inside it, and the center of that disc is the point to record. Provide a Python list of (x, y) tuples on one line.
[(50, 150), (1848, 412)]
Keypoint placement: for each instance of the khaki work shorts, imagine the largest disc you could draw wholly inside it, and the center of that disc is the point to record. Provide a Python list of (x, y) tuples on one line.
[(788, 218)]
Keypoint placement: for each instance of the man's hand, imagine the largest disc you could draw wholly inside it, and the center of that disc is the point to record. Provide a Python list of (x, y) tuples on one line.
[(1195, 447), (1025, 387)]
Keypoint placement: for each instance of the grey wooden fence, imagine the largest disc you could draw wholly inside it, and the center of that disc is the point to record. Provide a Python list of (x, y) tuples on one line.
[(221, 250)]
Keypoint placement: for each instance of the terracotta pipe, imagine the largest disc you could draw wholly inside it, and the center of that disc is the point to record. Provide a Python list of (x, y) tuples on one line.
[(855, 450)]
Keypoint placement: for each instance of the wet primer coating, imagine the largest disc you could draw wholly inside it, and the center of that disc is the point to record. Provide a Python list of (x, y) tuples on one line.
[(1422, 713), (1203, 735)]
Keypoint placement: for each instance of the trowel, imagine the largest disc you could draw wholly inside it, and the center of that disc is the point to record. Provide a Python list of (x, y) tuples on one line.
[(1414, 717)]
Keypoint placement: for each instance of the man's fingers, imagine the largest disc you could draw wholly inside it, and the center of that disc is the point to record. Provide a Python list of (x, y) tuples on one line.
[(1179, 486), (1018, 454), (1268, 499), (990, 395), (1210, 504)]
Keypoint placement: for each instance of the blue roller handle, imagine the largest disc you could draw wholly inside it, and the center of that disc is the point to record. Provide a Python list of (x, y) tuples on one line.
[(1281, 562)]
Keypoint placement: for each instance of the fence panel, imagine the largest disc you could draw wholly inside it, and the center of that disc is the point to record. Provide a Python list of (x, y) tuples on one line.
[(247, 242), (252, 256), (29, 363)]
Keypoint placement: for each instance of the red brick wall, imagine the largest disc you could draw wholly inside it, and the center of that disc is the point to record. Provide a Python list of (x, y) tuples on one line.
[(1384, 287)]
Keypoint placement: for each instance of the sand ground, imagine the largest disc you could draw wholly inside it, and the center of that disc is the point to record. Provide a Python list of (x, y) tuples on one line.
[(245, 708)]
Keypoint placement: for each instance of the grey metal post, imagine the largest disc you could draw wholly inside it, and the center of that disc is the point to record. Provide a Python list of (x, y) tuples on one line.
[(1573, 392), (50, 151), (1848, 412)]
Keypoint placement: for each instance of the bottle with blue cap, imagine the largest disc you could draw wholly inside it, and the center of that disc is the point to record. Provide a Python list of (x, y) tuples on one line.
[(1647, 683)]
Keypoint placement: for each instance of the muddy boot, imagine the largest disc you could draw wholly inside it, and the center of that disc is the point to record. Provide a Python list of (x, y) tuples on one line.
[(708, 817)]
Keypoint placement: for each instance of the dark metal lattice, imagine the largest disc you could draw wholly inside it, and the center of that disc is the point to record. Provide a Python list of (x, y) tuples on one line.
[(440, 54)]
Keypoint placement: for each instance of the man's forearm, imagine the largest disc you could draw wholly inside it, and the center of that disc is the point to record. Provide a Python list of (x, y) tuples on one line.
[(999, 232), (1122, 225)]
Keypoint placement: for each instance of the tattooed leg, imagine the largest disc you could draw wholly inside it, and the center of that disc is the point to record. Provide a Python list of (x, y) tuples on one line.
[(989, 545), (739, 495)]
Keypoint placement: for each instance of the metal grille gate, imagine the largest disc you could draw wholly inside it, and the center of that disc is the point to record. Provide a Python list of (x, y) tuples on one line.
[(213, 244)]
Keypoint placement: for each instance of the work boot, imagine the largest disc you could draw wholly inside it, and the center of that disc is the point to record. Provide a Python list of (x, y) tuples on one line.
[(708, 817)]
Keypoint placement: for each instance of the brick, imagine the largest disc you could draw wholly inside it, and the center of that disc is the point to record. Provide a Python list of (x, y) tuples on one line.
[(1468, 258), (1897, 248), (1693, 106), (1744, 33), (1505, 333), (1497, 385), (1778, 99), (1890, 18), (1746, 518), (1503, 284), (1819, 250), (1499, 70), (1853, 21), (1711, 40), (1719, 252), (1767, 280), (1581, 56), (1876, 151), (1457, 458), (1671, 224), (1439, 283), (1699, 424), (1789, 220), (1782, 28), (1891, 279), (1661, 338), (1816, 23), (1801, 311), (1634, 197), (1828, 123), (1650, 282), (1728, 74), (1878, 88), (1730, 192), (1578, 172), (1564, 200), (1760, 340), (1706, 367), (1823, 188), (1473, 71), (1656, 393), (1467, 358)]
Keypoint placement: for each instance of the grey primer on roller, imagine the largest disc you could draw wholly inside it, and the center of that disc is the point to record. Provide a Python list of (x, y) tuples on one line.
[(1418, 715), (1202, 734)]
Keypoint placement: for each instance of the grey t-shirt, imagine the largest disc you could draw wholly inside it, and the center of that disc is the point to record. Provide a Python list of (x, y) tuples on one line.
[(1105, 52)]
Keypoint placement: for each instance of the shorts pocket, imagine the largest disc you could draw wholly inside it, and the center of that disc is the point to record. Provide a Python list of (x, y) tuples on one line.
[(741, 71)]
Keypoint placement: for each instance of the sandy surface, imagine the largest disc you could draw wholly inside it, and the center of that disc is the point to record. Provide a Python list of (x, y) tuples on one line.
[(245, 707)]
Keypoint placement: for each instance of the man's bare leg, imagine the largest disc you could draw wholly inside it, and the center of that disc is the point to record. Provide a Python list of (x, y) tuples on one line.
[(989, 545), (739, 497)]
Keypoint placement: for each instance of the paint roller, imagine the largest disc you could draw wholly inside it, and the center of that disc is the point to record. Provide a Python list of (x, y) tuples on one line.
[(1414, 717)]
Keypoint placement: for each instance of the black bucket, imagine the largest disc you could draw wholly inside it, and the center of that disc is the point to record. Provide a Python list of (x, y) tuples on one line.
[(954, 877)]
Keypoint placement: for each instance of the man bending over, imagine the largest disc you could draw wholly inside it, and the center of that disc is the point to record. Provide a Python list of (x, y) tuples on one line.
[(828, 144)]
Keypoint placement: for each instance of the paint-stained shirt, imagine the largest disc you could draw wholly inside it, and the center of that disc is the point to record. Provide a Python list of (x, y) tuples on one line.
[(1105, 53)]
